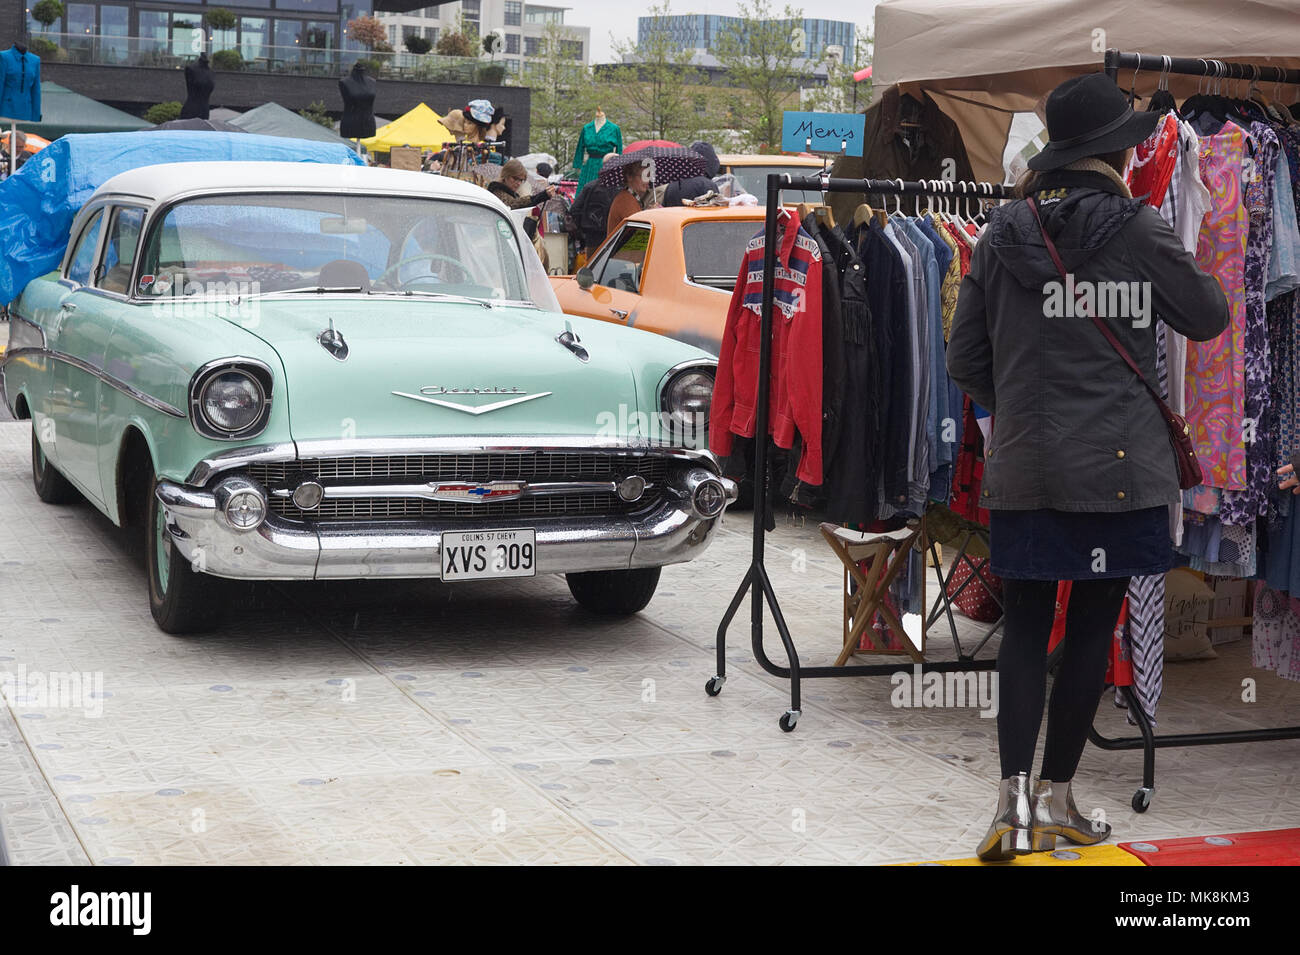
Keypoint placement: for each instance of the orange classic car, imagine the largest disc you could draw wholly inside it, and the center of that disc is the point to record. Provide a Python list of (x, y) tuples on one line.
[(669, 271)]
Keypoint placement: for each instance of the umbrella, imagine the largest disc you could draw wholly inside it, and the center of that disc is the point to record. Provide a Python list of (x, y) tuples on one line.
[(646, 143), (667, 164), (206, 125), (31, 142)]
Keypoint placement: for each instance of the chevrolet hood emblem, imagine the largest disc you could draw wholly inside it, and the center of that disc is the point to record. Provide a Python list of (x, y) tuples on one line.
[(472, 409)]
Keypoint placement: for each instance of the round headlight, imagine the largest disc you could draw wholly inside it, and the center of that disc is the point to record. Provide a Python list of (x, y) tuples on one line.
[(689, 394), (232, 401)]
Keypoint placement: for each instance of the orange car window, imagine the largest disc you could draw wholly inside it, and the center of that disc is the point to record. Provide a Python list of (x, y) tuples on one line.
[(714, 250)]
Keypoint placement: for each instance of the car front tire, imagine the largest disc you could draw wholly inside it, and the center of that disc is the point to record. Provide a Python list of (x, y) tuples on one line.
[(51, 486), (181, 599), (614, 592)]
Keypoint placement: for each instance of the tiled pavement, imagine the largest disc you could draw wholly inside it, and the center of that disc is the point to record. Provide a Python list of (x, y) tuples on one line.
[(411, 722)]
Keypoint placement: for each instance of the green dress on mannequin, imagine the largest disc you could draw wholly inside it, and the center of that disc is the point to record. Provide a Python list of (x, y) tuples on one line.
[(599, 138)]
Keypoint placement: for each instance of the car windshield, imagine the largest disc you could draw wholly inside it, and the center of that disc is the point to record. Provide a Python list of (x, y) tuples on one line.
[(754, 181), (259, 243), (714, 250)]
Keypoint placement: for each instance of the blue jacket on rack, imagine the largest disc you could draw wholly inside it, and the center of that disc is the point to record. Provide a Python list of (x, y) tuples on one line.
[(20, 85)]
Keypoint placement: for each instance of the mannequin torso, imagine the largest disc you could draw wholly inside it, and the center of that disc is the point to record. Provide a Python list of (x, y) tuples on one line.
[(358, 91), (198, 89)]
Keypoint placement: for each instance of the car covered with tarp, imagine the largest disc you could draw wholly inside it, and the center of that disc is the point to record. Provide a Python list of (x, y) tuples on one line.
[(39, 202)]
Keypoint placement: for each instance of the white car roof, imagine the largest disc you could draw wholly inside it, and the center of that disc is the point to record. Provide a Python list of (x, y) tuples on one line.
[(163, 182)]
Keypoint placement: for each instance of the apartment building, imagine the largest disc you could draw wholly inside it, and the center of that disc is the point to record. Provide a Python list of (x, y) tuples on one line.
[(522, 25)]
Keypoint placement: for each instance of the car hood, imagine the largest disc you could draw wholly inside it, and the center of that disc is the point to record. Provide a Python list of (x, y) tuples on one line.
[(422, 368)]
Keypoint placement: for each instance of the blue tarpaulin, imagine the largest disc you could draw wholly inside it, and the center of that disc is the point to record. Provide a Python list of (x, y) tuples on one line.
[(39, 202)]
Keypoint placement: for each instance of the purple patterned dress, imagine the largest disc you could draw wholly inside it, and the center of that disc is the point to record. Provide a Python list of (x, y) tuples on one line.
[(1242, 507)]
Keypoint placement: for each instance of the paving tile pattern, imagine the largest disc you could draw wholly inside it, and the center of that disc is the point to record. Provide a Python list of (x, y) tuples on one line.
[(413, 723)]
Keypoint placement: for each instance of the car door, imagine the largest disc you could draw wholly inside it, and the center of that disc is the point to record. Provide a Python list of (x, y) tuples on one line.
[(74, 385), (619, 273), (97, 286)]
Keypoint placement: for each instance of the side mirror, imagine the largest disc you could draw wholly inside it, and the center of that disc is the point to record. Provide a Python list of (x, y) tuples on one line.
[(585, 279)]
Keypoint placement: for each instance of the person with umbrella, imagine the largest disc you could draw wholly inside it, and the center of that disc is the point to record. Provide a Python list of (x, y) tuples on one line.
[(633, 173)]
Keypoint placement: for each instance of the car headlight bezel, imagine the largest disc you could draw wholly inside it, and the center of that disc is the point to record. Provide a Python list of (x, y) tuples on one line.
[(256, 372), (689, 374)]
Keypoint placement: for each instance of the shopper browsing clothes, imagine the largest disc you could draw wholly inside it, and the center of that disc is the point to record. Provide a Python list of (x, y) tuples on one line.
[(1080, 468), (513, 177)]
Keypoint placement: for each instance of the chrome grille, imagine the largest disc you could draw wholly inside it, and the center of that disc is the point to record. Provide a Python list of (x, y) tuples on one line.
[(535, 467)]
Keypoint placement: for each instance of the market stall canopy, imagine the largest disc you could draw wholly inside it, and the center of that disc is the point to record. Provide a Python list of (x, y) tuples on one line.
[(983, 60), (272, 119), (63, 111), (420, 127)]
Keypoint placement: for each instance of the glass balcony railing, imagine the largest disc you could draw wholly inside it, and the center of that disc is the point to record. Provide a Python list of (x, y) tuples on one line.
[(249, 55)]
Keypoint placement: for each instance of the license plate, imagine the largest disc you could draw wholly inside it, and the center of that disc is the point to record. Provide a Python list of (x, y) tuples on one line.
[(487, 555)]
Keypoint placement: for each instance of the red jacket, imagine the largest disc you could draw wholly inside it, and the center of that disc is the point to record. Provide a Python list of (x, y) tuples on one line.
[(795, 397)]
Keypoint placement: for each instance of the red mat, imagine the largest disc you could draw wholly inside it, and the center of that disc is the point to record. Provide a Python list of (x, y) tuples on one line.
[(1273, 847)]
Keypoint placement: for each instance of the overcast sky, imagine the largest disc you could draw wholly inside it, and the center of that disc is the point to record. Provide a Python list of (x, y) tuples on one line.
[(619, 17)]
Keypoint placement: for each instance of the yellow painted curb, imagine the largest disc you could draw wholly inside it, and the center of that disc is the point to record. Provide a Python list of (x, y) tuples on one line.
[(1087, 855)]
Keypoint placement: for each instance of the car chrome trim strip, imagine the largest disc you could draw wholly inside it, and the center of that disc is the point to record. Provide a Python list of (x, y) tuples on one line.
[(116, 383), (472, 409), (467, 491), (379, 447)]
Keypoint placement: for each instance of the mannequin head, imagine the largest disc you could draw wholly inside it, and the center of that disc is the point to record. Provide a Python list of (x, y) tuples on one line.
[(600, 115), (203, 58), (358, 68)]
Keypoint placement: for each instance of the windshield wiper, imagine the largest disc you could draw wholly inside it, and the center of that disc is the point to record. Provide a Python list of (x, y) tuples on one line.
[(318, 289), (411, 293)]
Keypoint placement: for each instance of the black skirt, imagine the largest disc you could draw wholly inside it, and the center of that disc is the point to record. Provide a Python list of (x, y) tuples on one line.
[(1074, 545)]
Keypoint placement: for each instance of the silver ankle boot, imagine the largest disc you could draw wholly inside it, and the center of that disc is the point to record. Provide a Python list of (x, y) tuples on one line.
[(1055, 814), (1010, 833)]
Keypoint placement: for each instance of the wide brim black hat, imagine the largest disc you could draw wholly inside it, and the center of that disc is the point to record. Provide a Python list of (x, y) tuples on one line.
[(1090, 116)]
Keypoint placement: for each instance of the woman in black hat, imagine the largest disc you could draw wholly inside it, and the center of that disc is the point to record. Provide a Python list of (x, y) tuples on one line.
[(1079, 466)]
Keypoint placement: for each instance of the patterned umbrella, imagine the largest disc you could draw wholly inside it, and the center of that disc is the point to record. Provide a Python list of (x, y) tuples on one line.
[(647, 143), (666, 163)]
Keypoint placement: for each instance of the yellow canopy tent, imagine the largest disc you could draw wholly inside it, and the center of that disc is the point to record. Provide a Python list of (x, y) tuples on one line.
[(420, 127)]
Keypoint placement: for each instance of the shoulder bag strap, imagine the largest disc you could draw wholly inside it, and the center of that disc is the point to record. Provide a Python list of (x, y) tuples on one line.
[(1101, 326)]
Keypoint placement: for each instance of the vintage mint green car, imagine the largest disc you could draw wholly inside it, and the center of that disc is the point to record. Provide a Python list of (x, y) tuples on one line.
[(301, 371)]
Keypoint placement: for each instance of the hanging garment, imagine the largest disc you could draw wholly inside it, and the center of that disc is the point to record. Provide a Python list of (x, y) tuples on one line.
[(1242, 507), (913, 406), (1275, 635), (904, 138), (795, 381), (888, 289), (832, 343), (20, 85), (1215, 384), (593, 146), (1151, 168), (852, 481), (925, 281)]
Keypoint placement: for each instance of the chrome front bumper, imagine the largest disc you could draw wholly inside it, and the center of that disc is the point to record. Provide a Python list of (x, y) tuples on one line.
[(283, 550)]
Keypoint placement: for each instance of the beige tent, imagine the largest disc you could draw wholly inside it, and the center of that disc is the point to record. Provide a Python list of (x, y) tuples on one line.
[(983, 60)]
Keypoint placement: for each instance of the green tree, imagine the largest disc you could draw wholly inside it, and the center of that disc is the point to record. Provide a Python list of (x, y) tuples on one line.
[(47, 12), (650, 94), (416, 44), (760, 60), (163, 112), (841, 94), (219, 18), (463, 41), (317, 114), (367, 31), (561, 96)]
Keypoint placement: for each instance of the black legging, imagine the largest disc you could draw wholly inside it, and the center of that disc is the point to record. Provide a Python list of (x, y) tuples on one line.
[(1022, 671)]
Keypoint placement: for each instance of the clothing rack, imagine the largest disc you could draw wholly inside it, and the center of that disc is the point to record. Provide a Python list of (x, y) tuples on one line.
[(1115, 64), (1193, 66), (756, 580)]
